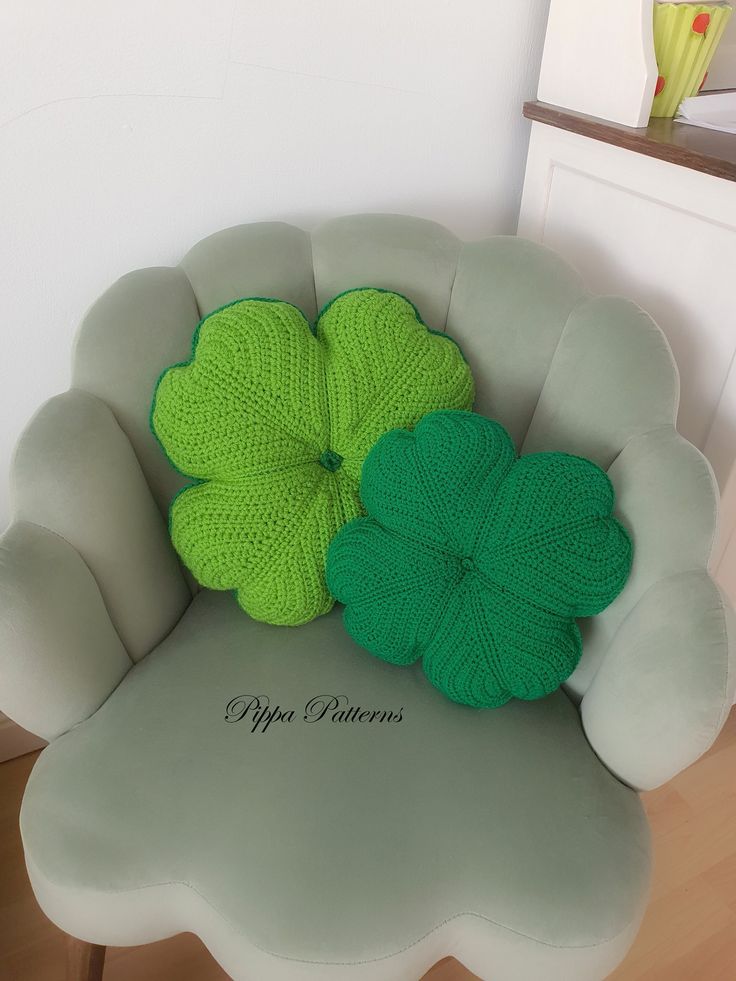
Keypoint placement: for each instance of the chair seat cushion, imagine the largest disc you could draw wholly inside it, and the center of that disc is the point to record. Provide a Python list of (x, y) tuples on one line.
[(392, 829), (273, 421)]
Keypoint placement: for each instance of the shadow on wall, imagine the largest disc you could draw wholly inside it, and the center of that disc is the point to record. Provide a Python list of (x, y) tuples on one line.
[(722, 71)]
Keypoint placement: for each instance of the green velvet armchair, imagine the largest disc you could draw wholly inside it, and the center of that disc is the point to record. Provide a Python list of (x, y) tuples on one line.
[(318, 850)]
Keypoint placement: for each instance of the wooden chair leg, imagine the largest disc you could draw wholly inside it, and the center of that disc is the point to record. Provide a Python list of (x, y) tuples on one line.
[(84, 962)]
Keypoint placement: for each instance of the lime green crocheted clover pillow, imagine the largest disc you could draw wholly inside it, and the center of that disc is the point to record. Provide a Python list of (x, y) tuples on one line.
[(475, 561), (273, 421)]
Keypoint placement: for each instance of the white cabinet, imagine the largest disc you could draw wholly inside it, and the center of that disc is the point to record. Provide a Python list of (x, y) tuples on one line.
[(664, 235)]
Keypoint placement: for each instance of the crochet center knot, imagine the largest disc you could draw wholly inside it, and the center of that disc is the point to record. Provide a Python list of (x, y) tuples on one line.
[(466, 565), (330, 460)]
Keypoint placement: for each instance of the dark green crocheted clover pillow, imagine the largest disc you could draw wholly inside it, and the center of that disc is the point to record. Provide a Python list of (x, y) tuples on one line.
[(476, 561), (273, 421)]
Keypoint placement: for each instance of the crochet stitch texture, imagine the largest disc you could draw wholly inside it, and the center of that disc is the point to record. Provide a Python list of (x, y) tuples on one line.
[(274, 421), (475, 561)]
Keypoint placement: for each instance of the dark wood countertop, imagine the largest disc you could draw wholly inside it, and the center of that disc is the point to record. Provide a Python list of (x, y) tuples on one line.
[(705, 150)]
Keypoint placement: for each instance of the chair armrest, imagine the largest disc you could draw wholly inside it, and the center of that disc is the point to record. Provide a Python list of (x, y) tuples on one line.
[(60, 656), (75, 473), (666, 683)]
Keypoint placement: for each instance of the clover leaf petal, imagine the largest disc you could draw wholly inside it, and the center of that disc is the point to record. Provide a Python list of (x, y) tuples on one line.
[(475, 677), (402, 575), (440, 477), (490, 648), (251, 522), (245, 401), (403, 372), (550, 538)]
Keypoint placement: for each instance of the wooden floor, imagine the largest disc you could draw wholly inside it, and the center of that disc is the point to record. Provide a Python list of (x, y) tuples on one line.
[(689, 933)]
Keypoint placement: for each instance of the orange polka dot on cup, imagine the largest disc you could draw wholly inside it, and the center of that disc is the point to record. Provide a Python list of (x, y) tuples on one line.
[(700, 24)]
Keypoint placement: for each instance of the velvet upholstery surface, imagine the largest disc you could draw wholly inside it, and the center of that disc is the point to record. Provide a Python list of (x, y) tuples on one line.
[(332, 840), (509, 838)]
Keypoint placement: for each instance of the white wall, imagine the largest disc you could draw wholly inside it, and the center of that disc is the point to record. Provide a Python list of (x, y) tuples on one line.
[(722, 71), (130, 130)]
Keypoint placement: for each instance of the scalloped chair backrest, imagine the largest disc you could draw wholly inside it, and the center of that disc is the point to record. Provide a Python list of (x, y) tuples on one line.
[(560, 369)]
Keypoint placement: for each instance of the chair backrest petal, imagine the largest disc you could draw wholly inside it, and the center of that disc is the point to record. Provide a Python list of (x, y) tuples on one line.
[(612, 377), (510, 302), (75, 473), (269, 259), (60, 656), (137, 328), (411, 256), (667, 498)]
